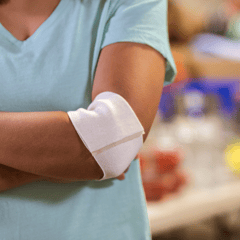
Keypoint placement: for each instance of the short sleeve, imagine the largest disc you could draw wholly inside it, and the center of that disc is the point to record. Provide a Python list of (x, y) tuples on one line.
[(141, 21)]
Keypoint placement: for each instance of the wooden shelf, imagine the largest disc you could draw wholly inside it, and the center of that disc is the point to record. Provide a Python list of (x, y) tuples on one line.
[(193, 206)]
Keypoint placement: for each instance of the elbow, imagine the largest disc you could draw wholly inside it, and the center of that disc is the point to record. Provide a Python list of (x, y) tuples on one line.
[(116, 159)]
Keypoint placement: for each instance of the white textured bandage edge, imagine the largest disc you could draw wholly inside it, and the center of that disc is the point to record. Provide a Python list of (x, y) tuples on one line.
[(111, 131)]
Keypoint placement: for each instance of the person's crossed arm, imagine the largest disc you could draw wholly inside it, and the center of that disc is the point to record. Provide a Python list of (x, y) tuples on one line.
[(41, 145)]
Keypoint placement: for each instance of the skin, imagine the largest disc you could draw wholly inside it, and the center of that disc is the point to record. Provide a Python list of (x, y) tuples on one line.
[(236, 3), (38, 146), (4, 2), (23, 17)]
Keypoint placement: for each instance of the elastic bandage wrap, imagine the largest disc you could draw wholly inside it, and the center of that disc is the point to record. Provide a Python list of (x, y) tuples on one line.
[(111, 131)]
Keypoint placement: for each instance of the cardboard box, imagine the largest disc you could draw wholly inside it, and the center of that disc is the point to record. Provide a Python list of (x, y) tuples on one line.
[(200, 65)]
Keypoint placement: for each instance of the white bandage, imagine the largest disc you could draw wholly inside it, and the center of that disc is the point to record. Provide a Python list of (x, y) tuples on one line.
[(111, 131)]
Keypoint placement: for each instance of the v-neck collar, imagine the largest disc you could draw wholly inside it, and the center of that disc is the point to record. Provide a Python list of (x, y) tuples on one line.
[(54, 15)]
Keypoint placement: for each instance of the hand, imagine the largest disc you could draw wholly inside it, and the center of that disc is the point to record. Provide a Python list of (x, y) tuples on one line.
[(122, 176)]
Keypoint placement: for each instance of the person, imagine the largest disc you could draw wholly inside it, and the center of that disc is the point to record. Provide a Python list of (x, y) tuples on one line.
[(56, 57)]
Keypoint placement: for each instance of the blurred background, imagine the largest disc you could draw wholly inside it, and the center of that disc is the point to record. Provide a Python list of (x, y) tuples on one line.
[(190, 163)]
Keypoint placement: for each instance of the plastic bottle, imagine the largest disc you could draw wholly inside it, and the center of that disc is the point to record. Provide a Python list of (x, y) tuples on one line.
[(198, 132), (227, 106)]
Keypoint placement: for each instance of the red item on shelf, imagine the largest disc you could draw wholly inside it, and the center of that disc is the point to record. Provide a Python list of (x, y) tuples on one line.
[(182, 178), (165, 185), (166, 161), (160, 173), (154, 190), (169, 181)]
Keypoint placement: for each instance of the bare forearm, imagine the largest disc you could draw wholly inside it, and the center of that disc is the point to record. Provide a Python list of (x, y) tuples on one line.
[(45, 144), (12, 178)]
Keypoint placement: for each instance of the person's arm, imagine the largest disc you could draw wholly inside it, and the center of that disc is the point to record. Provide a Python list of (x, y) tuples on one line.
[(136, 72), (11, 178), (46, 143)]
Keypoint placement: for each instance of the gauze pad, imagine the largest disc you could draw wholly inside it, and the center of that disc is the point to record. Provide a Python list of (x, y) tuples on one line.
[(111, 131)]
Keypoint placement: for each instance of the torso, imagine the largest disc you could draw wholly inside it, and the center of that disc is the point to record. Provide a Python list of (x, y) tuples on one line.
[(54, 71)]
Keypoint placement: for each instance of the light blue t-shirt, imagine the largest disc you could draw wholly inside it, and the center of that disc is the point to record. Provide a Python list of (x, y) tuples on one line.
[(54, 70)]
